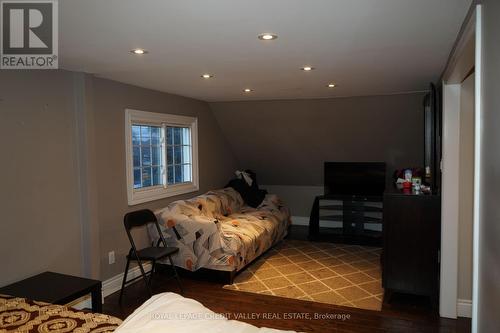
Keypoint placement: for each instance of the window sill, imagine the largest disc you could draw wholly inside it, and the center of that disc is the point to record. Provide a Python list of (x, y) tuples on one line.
[(156, 193)]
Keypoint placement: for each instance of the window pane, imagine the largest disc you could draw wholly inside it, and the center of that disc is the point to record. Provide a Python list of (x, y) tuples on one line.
[(146, 177), (186, 154), (155, 135), (137, 156), (186, 136), (177, 135), (157, 176), (170, 135), (146, 135), (170, 175), (146, 156), (137, 178), (170, 155), (160, 155), (186, 172), (136, 134), (178, 174), (156, 155), (177, 154)]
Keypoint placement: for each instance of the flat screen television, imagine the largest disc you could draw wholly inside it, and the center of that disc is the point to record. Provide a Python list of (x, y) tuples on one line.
[(355, 178)]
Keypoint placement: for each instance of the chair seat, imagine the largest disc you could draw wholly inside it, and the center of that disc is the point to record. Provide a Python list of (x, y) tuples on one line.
[(155, 253)]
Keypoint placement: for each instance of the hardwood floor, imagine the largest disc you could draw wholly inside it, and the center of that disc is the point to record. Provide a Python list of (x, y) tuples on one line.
[(403, 315)]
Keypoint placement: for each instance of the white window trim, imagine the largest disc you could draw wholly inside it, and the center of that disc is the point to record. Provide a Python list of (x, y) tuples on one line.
[(138, 196)]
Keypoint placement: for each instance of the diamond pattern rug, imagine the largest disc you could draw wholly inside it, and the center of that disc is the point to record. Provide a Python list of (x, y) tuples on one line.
[(348, 275)]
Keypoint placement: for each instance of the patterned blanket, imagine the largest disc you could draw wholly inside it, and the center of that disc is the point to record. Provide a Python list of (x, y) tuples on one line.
[(217, 230), (23, 316)]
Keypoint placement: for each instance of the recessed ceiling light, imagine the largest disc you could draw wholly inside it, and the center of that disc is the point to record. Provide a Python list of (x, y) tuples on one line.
[(247, 90), (139, 51), (331, 85), (267, 36), (207, 76), (307, 68)]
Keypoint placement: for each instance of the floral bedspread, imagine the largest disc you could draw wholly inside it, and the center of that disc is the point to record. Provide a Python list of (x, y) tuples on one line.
[(217, 230), (22, 315)]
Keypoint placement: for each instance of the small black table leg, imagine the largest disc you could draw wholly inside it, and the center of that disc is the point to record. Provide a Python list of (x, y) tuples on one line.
[(314, 220), (97, 299)]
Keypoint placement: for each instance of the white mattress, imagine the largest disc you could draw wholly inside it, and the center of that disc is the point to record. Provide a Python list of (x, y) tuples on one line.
[(172, 313)]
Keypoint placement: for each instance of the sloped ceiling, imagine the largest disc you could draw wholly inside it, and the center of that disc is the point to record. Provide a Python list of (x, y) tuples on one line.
[(286, 142)]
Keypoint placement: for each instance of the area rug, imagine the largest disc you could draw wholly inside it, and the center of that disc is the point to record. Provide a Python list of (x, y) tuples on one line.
[(348, 275)]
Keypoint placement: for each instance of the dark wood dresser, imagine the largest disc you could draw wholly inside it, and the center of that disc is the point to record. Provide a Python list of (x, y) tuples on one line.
[(411, 232)]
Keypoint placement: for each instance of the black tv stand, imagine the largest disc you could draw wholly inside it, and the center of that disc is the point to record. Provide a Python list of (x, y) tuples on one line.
[(352, 214)]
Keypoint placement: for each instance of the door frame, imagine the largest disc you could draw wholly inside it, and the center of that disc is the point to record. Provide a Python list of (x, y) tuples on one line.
[(456, 70)]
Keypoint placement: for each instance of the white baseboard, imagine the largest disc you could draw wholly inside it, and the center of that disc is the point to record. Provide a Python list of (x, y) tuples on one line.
[(109, 286), (464, 308), (304, 220), (114, 284), (300, 220)]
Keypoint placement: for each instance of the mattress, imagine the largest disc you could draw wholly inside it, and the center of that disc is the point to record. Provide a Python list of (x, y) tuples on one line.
[(172, 313)]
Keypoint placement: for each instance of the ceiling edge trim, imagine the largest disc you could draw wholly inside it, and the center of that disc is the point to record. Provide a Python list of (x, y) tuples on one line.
[(318, 98)]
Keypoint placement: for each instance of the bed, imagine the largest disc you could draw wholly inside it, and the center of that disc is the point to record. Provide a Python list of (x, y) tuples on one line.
[(166, 312), (172, 313), (26, 316), (218, 231)]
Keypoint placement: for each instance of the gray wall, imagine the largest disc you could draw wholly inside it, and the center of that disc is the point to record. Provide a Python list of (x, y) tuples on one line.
[(298, 198), (63, 193), (489, 234), (39, 227), (287, 141), (216, 162)]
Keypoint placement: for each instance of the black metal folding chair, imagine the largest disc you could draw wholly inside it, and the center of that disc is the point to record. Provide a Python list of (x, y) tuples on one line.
[(142, 218)]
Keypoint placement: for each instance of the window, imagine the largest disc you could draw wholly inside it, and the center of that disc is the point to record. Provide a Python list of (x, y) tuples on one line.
[(162, 156), (147, 153), (178, 155)]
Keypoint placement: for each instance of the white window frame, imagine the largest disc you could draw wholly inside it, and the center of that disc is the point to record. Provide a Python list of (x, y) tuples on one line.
[(141, 195)]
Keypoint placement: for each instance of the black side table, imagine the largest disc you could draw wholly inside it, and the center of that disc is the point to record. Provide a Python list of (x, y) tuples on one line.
[(56, 288)]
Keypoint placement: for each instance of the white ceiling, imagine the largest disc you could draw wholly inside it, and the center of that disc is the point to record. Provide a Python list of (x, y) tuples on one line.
[(365, 46)]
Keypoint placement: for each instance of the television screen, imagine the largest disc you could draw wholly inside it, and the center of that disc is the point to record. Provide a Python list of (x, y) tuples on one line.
[(354, 178)]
